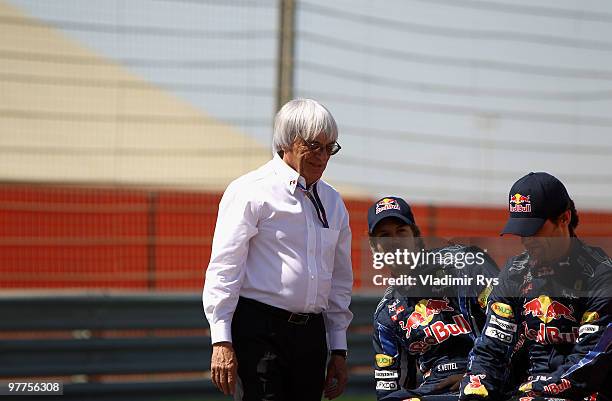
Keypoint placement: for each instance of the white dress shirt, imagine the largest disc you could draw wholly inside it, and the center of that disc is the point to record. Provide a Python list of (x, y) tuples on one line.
[(269, 245)]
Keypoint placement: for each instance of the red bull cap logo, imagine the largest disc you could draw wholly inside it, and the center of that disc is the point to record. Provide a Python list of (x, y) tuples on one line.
[(387, 204), (520, 203), (548, 310)]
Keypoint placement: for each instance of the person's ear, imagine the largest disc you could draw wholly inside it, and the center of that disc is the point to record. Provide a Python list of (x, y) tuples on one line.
[(565, 218), (287, 152), (376, 245), (373, 244)]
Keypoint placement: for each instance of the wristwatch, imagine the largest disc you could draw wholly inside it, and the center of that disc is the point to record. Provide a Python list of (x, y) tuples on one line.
[(342, 352)]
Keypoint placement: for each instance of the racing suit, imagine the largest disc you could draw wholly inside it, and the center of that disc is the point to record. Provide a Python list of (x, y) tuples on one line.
[(436, 333), (561, 316)]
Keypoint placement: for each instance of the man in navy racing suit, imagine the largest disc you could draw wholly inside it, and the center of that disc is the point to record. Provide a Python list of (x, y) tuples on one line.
[(553, 300), (435, 331)]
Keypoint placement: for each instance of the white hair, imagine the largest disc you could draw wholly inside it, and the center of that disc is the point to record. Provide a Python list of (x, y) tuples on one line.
[(304, 118)]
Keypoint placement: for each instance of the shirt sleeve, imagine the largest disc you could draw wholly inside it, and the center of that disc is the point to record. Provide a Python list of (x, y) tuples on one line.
[(338, 316), (236, 225)]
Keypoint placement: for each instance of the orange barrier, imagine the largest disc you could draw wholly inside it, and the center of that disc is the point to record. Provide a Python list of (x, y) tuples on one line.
[(60, 237)]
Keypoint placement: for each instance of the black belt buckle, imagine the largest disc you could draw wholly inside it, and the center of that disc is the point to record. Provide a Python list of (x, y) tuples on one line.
[(298, 318)]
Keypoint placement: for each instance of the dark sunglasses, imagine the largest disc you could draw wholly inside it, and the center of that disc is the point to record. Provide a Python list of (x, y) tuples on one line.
[(330, 149)]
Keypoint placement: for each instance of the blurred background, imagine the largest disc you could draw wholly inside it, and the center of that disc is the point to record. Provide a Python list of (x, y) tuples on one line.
[(122, 122)]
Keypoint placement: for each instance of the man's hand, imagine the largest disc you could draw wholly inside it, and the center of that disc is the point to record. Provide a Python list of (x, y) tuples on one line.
[(451, 383), (224, 367), (336, 378)]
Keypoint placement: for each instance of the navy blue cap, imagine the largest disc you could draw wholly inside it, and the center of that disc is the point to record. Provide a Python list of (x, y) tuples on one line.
[(535, 198), (389, 206)]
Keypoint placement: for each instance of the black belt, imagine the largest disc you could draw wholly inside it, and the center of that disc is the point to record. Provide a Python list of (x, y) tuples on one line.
[(295, 318)]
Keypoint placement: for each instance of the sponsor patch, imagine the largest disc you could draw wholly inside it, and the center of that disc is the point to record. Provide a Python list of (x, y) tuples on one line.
[(502, 309), (386, 204), (520, 203), (382, 360), (539, 378), (526, 387), (475, 386), (445, 367), (399, 310), (547, 310), (424, 312), (392, 305), (385, 374), (589, 317), (550, 334), (382, 385), (588, 329), (508, 326), (556, 388), (500, 335), (484, 296), (439, 332)]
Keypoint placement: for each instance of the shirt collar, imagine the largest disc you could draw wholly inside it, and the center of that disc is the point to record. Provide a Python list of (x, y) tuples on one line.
[(289, 176)]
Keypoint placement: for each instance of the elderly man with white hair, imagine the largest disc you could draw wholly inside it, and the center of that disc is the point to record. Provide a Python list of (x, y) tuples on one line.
[(278, 286)]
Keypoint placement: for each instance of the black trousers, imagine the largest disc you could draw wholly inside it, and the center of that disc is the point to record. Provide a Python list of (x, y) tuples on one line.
[(278, 359)]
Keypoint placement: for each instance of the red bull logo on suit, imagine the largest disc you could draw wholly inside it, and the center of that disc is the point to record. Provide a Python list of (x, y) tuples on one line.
[(548, 310)]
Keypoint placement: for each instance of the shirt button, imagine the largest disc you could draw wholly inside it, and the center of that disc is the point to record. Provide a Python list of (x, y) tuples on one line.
[(312, 277)]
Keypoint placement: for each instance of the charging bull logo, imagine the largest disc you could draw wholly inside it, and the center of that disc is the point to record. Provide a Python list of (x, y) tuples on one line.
[(424, 312), (520, 203), (548, 310), (387, 204)]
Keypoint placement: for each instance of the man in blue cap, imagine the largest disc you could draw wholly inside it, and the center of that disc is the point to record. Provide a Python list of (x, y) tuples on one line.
[(553, 301), (418, 327)]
